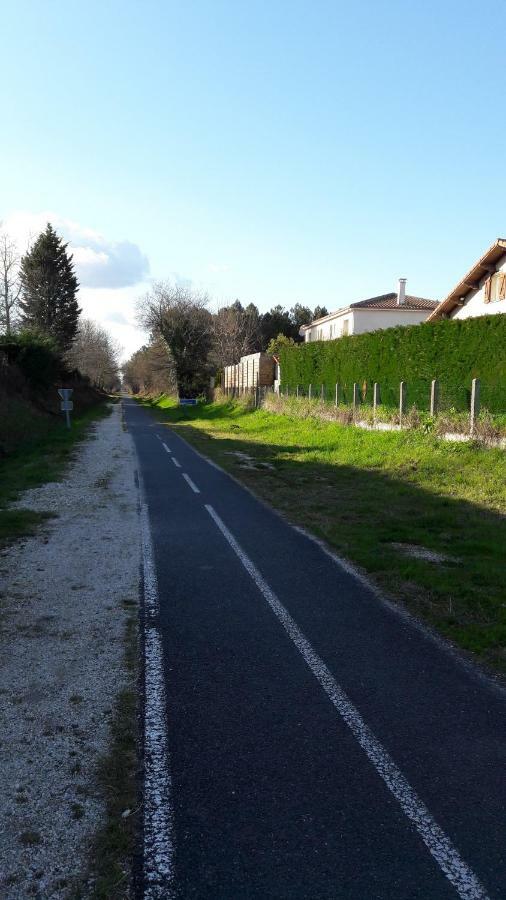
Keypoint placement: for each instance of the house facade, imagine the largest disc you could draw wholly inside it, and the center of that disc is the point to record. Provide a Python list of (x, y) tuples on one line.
[(481, 292), (373, 314)]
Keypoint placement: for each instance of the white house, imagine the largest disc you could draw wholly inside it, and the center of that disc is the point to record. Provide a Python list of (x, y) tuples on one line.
[(370, 315), (482, 291)]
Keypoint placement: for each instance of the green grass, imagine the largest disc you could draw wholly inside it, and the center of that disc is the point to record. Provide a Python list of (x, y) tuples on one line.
[(364, 492), (42, 457)]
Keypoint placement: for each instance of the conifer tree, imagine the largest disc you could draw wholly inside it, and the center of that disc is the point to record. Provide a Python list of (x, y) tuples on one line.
[(48, 289)]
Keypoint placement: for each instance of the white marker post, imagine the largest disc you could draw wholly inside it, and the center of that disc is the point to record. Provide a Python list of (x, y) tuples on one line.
[(66, 405)]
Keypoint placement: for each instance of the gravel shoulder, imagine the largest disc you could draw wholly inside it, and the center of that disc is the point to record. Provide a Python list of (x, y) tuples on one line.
[(66, 596)]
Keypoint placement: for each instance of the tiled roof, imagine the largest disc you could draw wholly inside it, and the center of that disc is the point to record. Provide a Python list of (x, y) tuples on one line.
[(472, 281), (389, 301)]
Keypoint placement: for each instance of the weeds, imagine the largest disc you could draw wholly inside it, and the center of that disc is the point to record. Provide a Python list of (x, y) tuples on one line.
[(114, 843), (34, 464)]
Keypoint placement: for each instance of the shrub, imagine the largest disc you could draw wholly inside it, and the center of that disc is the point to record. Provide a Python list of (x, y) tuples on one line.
[(35, 354), (453, 351)]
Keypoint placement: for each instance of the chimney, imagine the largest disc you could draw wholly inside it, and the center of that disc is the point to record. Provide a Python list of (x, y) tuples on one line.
[(401, 293)]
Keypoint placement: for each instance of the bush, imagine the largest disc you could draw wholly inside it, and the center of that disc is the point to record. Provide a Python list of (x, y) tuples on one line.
[(35, 354), (453, 351)]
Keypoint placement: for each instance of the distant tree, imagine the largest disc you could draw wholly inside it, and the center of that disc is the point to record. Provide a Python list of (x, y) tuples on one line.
[(276, 321), (49, 288), (275, 344), (235, 333), (300, 315), (96, 355), (320, 312), (179, 315), (150, 370), (10, 285)]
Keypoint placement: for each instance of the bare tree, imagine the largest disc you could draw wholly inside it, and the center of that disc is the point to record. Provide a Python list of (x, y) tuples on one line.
[(236, 332), (96, 355), (150, 370), (179, 315), (10, 284)]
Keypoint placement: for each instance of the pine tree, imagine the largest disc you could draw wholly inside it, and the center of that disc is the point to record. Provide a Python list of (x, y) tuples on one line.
[(48, 289)]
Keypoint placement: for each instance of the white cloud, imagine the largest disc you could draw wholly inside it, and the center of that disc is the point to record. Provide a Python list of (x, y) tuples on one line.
[(99, 262), (118, 318), (218, 268), (85, 256), (115, 309), (111, 274)]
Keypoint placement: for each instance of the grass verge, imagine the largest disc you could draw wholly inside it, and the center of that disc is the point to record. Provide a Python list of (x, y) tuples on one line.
[(115, 843), (382, 499), (37, 461)]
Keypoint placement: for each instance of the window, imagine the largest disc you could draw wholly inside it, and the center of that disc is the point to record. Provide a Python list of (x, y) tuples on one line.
[(498, 291), (494, 288), (346, 327)]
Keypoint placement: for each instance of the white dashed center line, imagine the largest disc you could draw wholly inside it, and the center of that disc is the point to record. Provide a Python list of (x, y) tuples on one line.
[(166, 448), (191, 483), (176, 463)]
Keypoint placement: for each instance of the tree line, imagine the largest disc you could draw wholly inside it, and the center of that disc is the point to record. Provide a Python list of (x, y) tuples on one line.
[(189, 343), (38, 302)]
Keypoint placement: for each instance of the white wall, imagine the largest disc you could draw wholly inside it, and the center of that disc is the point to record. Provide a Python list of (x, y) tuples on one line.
[(475, 304), (362, 320), (373, 320), (330, 329)]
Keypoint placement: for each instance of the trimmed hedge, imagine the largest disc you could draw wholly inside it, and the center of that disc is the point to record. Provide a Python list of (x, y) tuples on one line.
[(451, 350)]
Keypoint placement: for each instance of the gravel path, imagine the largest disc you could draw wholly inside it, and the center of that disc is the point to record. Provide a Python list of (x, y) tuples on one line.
[(63, 611)]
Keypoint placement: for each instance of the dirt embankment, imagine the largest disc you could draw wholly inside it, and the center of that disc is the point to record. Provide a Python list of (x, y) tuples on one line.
[(29, 411)]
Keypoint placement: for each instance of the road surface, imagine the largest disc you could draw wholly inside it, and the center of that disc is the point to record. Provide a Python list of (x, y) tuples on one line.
[(303, 739)]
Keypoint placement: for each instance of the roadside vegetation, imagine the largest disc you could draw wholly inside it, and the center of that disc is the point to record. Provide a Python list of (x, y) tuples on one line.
[(452, 351), (423, 517), (43, 456), (44, 346), (114, 845)]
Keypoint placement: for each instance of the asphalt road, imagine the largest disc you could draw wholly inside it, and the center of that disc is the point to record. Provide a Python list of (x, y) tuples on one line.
[(305, 739)]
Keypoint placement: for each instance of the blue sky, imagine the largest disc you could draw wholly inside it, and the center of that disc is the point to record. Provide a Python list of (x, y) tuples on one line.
[(271, 151)]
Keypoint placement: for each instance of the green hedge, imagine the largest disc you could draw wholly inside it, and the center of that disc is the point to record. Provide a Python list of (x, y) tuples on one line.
[(453, 351)]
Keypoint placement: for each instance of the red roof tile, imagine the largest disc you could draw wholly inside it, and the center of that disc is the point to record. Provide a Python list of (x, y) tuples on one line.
[(389, 301)]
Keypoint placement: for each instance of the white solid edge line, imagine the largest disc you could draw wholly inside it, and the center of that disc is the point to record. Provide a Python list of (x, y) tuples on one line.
[(439, 845), (164, 445), (176, 463), (158, 840), (192, 484), (148, 565)]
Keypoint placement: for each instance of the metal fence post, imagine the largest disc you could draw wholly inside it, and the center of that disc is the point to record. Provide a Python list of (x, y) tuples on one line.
[(356, 398), (309, 392), (297, 392), (434, 397), (337, 395), (475, 403), (402, 401), (376, 400), (322, 394)]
